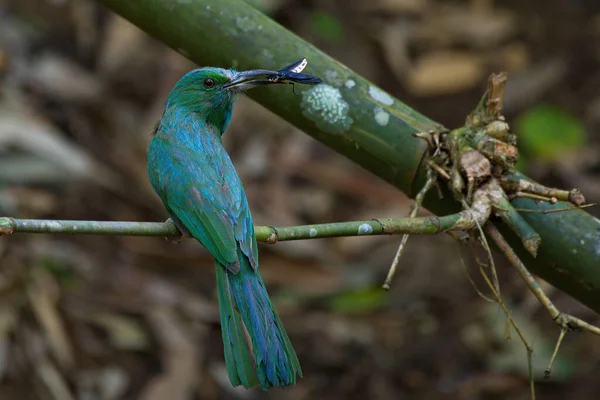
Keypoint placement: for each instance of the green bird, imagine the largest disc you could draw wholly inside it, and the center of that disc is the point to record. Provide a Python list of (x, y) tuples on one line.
[(196, 180)]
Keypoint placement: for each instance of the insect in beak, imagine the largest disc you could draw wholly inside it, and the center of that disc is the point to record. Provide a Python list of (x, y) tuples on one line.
[(288, 75), (291, 74)]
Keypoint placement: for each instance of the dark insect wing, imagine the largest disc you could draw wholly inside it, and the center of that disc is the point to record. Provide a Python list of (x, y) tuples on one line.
[(302, 78), (295, 67), (291, 74), (302, 64)]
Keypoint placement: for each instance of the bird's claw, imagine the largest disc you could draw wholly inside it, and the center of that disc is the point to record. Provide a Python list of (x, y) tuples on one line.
[(179, 238)]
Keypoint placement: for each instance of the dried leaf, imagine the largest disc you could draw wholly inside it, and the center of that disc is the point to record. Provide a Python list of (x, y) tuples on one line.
[(443, 72), (452, 24), (113, 383), (120, 37), (395, 40), (7, 324), (21, 128), (43, 296), (394, 7), (180, 358), (53, 380), (125, 333), (62, 80)]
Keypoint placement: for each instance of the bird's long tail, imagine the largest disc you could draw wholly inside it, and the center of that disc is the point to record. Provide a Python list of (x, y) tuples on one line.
[(257, 348)]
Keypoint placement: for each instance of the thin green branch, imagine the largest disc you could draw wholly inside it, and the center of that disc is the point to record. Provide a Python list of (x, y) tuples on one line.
[(516, 184), (382, 226), (431, 181), (529, 237), (561, 336), (554, 210), (565, 321)]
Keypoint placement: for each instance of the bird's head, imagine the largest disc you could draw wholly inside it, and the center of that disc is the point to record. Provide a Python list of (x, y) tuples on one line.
[(210, 92)]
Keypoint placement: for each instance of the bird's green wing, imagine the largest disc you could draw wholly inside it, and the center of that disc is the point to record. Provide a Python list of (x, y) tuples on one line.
[(244, 231), (211, 227), (189, 187)]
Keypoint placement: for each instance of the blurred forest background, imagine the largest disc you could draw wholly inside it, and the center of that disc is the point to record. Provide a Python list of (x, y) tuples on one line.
[(136, 318)]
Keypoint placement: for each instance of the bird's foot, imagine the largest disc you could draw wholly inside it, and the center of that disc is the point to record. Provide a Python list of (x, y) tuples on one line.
[(183, 234)]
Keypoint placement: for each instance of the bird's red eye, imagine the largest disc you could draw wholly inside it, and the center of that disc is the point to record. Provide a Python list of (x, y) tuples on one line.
[(208, 83)]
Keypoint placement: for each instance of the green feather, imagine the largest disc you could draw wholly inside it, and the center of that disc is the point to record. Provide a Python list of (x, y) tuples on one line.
[(238, 355)]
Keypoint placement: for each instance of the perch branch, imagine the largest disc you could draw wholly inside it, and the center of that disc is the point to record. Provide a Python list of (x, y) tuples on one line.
[(381, 226)]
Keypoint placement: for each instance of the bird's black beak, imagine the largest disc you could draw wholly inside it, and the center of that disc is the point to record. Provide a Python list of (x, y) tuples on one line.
[(245, 80)]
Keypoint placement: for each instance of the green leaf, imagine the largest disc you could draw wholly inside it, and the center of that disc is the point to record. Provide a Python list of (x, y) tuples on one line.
[(62, 272), (546, 132), (328, 26), (523, 162), (361, 301)]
